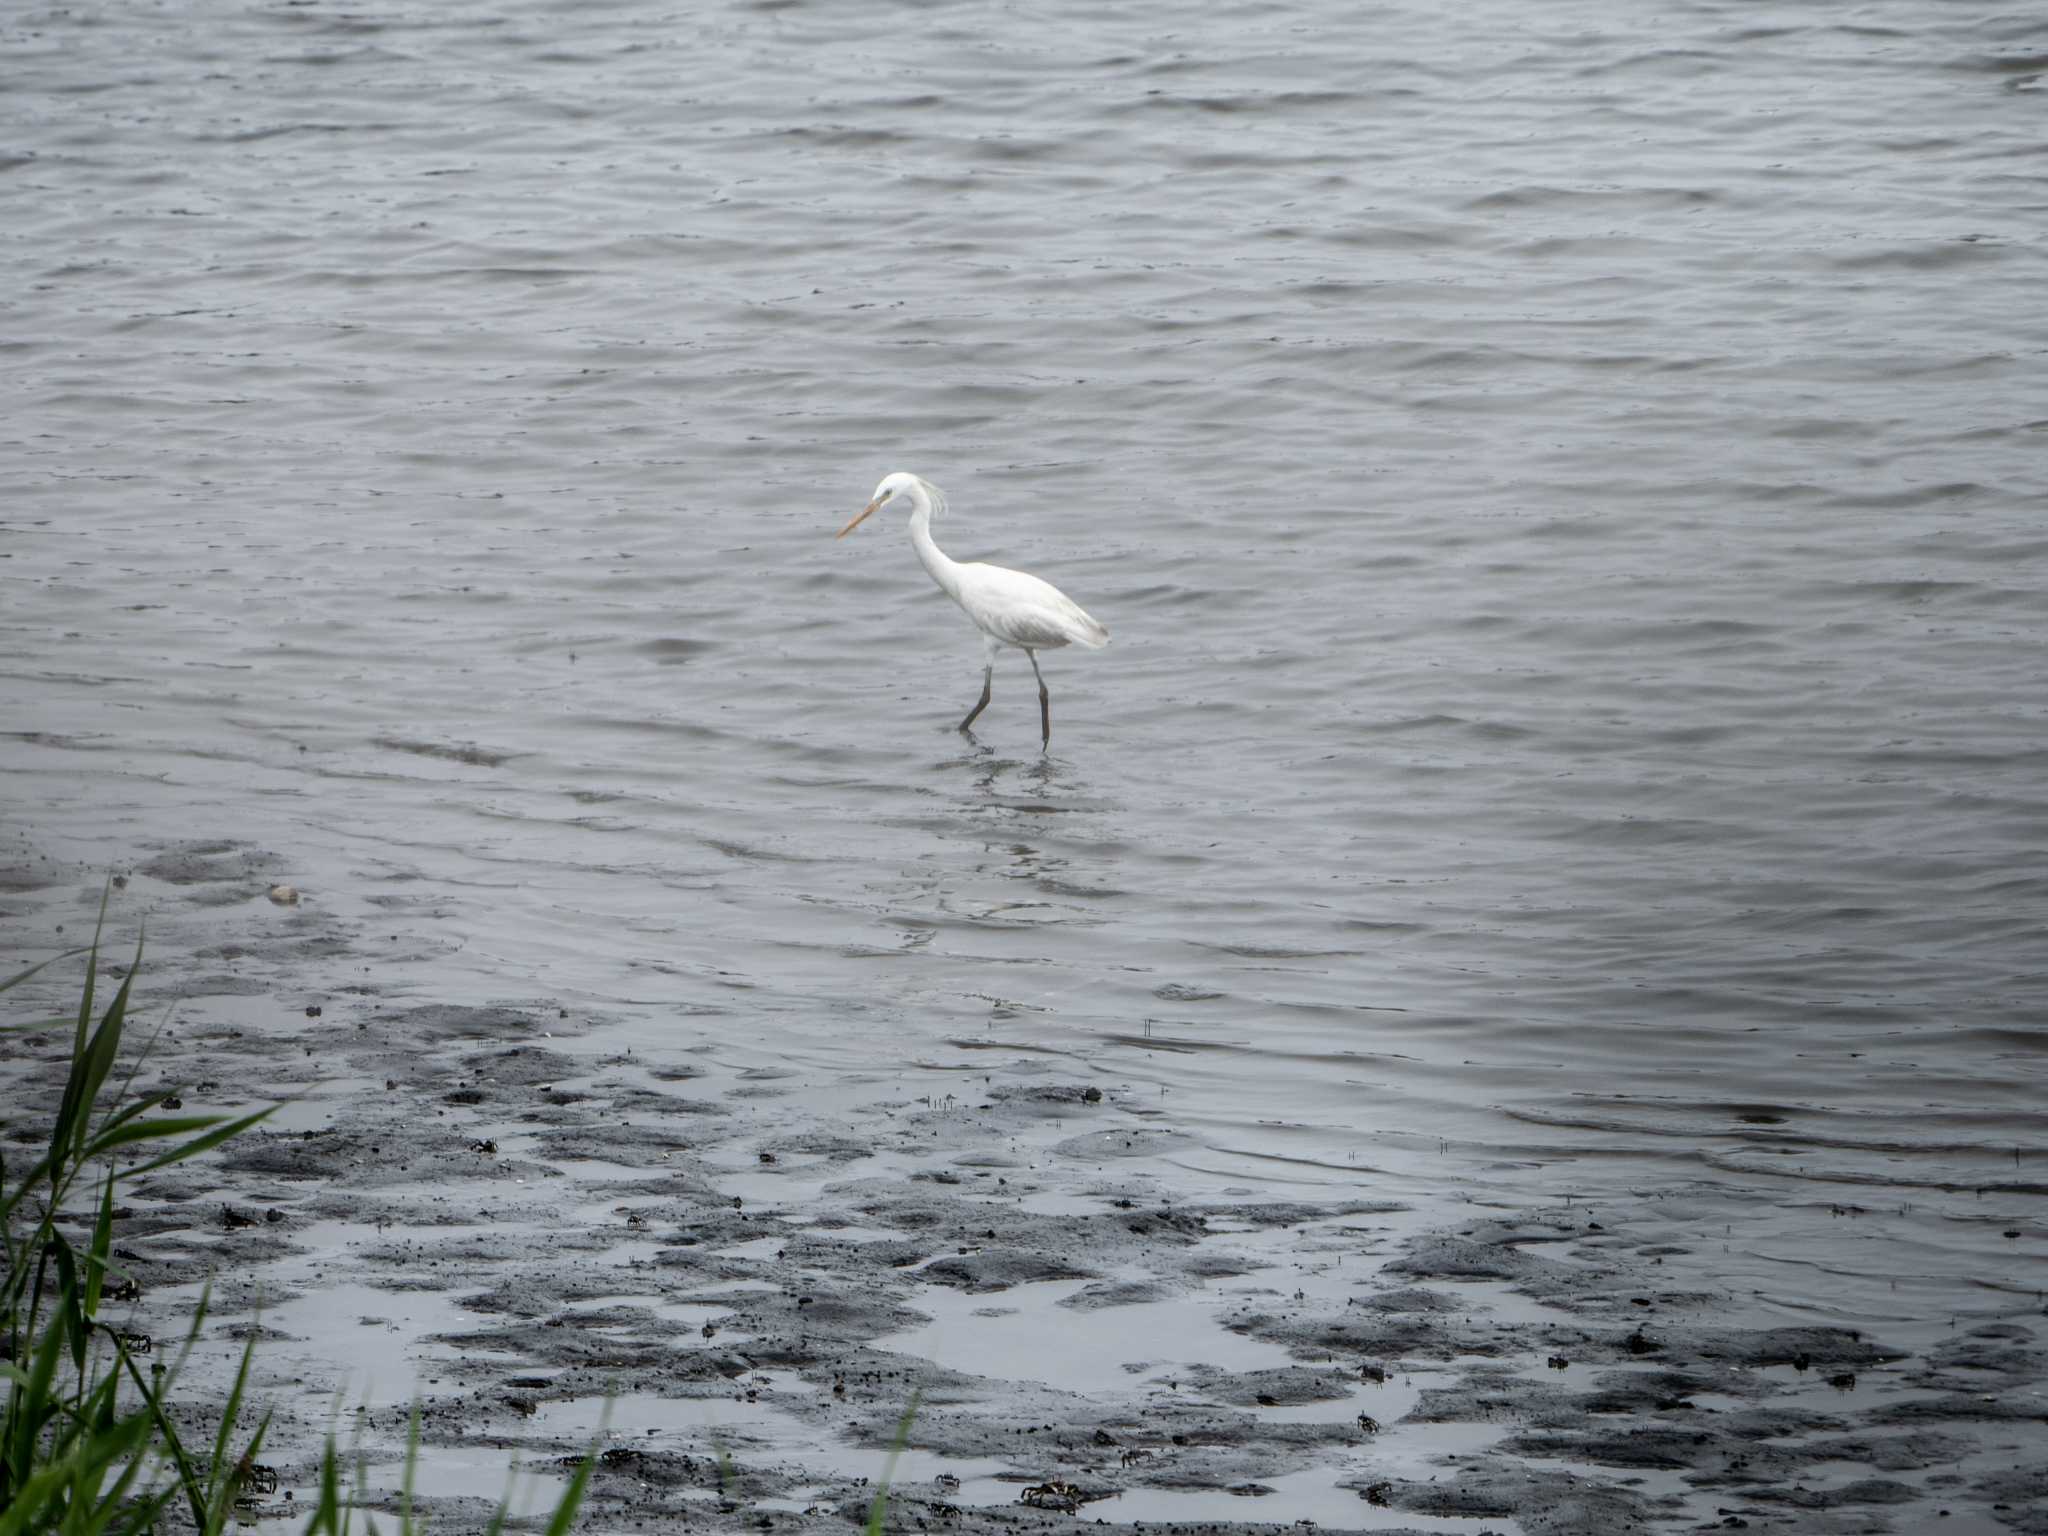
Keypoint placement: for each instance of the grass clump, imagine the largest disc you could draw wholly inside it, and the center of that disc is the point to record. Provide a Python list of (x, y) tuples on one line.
[(89, 1442)]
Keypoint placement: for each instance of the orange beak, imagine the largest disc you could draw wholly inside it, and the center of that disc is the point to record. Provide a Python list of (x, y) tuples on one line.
[(864, 513)]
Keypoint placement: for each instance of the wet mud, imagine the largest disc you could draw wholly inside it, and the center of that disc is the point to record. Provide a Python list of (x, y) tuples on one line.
[(733, 1284)]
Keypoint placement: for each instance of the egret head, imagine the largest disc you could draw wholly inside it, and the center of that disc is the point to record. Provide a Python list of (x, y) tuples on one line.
[(900, 483)]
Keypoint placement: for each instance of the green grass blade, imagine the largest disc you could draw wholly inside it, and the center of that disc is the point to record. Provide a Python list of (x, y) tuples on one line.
[(412, 1466), (20, 976), (91, 1059), (92, 967), (229, 1488), (30, 1407), (122, 1095), (326, 1515), (564, 1519), (218, 1478), (15, 1196), (33, 1504), (188, 1480), (99, 1059), (102, 1245), (220, 1464), (140, 1515), (503, 1512), (878, 1510), (134, 1107), (38, 1499), (30, 1026), (115, 1137), (70, 1108), (101, 1403), (70, 1299), (198, 1144)]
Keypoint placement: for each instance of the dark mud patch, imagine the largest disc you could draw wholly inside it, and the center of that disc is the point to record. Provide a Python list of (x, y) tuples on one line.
[(675, 650), (451, 751), (20, 876), (2018, 1496), (1284, 1388), (1121, 1293), (250, 870), (436, 1023), (406, 1154), (999, 1269)]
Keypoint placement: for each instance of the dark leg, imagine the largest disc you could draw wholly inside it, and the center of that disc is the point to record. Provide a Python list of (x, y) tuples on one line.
[(987, 677), (1044, 704)]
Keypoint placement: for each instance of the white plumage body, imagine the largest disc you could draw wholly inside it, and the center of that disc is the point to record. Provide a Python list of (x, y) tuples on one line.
[(1016, 608), (1012, 608)]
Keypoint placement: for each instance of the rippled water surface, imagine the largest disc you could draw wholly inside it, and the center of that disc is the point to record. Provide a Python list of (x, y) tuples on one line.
[(1566, 483)]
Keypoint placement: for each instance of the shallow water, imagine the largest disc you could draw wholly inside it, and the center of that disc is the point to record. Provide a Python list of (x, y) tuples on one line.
[(1565, 483)]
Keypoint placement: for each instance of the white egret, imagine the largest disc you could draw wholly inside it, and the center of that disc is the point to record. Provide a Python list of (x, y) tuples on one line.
[(1009, 607)]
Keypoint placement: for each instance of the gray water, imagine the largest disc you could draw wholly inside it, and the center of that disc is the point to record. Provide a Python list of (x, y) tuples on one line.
[(1566, 483)]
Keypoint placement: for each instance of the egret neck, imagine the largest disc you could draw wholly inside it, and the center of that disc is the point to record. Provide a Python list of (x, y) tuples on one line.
[(945, 570)]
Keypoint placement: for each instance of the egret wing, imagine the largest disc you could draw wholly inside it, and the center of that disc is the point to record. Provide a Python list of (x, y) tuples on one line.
[(1018, 608)]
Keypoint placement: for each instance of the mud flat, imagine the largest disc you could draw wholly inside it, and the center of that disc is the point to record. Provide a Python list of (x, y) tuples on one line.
[(734, 1282)]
